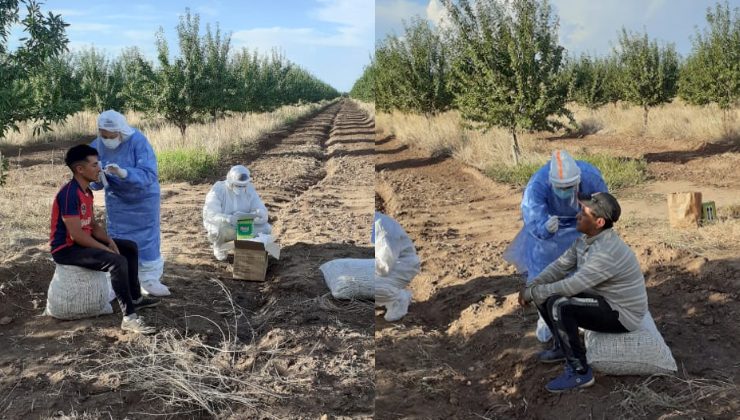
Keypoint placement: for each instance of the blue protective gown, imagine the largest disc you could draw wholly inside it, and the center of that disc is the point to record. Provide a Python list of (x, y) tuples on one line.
[(534, 248), (133, 203)]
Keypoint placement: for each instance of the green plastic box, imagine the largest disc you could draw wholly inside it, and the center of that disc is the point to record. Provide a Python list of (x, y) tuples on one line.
[(708, 212), (245, 228)]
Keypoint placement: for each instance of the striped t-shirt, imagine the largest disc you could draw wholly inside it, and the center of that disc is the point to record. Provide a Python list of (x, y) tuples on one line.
[(604, 265)]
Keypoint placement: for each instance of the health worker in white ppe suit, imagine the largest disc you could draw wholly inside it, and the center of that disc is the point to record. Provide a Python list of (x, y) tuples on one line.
[(226, 203), (132, 197), (396, 264)]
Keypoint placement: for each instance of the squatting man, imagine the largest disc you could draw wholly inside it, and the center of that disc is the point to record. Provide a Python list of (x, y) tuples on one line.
[(226, 203)]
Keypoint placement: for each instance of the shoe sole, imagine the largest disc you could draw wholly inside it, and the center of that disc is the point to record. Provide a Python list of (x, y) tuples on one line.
[(139, 332), (586, 385), (149, 305), (550, 361)]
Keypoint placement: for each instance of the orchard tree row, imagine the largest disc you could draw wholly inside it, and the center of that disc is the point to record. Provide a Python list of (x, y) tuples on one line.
[(41, 81), (499, 63)]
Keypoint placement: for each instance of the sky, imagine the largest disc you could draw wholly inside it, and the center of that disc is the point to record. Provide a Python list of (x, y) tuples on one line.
[(586, 26), (332, 39)]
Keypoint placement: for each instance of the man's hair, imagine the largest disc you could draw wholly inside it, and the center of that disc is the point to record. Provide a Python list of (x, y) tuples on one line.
[(78, 155)]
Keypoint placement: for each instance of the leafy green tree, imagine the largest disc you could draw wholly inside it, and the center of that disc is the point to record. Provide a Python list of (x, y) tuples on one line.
[(364, 87), (101, 81), (54, 87), (411, 72), (390, 71), (712, 71), (220, 87), (139, 81), (505, 70), (181, 83), (266, 82), (650, 75), (612, 79), (45, 40), (587, 81)]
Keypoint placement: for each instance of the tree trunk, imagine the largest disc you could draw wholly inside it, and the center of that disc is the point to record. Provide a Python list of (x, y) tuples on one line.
[(515, 151), (645, 117), (182, 128)]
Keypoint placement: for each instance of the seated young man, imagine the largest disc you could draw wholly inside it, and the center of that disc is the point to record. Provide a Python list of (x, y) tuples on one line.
[(77, 239), (606, 292)]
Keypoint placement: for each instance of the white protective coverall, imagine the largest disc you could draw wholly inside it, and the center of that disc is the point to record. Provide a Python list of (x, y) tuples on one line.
[(226, 203), (396, 264)]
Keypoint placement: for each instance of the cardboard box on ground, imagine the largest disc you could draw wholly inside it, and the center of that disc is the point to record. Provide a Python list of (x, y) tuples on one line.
[(250, 260)]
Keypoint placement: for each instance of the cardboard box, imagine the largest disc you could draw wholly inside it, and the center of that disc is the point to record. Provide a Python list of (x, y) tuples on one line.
[(250, 261)]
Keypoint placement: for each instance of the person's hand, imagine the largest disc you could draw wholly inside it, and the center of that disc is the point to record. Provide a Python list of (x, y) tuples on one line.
[(114, 169), (260, 217), (233, 219), (522, 302), (102, 179), (552, 224), (113, 247), (243, 215)]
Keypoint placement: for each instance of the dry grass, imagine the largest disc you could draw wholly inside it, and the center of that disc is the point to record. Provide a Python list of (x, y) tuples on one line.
[(368, 107), (683, 395), (444, 135), (85, 415), (35, 190), (212, 137), (676, 120), (720, 236), (186, 373), (328, 303)]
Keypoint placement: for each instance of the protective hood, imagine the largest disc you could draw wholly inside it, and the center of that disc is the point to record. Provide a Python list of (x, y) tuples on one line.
[(564, 172), (115, 122), (238, 176)]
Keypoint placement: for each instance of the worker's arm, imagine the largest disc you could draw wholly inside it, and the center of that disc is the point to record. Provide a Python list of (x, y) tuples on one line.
[(102, 236), (81, 238)]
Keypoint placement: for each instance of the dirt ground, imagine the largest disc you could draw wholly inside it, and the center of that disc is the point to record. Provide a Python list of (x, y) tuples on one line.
[(311, 355), (467, 350)]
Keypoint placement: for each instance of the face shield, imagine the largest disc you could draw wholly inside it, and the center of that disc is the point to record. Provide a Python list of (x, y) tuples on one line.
[(567, 195), (238, 179)]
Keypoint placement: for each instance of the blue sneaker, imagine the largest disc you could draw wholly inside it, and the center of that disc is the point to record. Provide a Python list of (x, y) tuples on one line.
[(552, 355), (570, 379)]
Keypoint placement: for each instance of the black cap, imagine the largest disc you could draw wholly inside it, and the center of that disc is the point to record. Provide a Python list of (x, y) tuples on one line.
[(602, 205)]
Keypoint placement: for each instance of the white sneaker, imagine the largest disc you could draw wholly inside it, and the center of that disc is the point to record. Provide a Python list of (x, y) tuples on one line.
[(155, 289), (399, 307), (135, 323)]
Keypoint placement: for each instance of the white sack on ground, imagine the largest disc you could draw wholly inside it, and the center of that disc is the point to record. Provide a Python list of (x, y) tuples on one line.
[(640, 352), (76, 292), (350, 278)]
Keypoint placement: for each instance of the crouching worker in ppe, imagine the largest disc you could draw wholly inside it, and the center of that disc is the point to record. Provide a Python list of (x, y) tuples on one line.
[(77, 239), (132, 196), (606, 292), (396, 264), (226, 203), (549, 208)]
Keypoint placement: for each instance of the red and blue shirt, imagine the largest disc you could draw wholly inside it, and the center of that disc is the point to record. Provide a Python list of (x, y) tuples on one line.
[(70, 201)]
